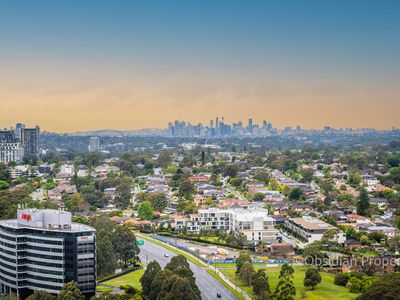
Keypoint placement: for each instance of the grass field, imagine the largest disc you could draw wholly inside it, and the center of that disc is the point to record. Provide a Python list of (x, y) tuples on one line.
[(103, 289), (325, 290), (130, 278)]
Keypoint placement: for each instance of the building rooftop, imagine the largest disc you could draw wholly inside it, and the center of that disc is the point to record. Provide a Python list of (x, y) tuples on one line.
[(46, 219), (312, 223)]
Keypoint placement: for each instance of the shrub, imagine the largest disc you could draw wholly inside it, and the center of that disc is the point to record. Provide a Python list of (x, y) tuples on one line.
[(342, 279), (355, 285)]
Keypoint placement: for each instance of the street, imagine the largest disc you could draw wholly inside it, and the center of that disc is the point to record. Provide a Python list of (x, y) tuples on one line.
[(207, 284)]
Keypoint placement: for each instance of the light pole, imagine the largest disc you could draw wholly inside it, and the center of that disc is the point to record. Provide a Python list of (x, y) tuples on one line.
[(236, 281)]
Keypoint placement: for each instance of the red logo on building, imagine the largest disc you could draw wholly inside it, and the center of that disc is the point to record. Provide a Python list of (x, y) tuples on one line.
[(26, 217)]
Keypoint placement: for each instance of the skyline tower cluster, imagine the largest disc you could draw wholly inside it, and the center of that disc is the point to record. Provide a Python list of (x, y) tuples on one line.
[(221, 129)]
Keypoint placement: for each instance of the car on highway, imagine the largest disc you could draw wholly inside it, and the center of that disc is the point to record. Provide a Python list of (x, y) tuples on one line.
[(219, 295), (166, 255)]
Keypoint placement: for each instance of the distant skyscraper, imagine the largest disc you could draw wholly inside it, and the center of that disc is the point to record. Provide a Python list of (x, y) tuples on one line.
[(31, 140), (94, 144), (18, 131), (216, 123), (250, 125), (211, 123)]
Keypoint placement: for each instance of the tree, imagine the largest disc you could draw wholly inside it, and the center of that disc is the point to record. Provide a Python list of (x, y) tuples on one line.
[(307, 175), (4, 185), (178, 261), (4, 174), (70, 291), (186, 189), (363, 202), (296, 194), (106, 256), (231, 170), (236, 181), (395, 174), (355, 285), (313, 254), (285, 288), (312, 278), (41, 295), (177, 287), (123, 192), (261, 285), (377, 236), (247, 272), (164, 159), (186, 206), (124, 242), (258, 197), (203, 158), (159, 201), (355, 178), (262, 176), (157, 283), (145, 211), (386, 288), (75, 203), (243, 257), (342, 279), (151, 271)]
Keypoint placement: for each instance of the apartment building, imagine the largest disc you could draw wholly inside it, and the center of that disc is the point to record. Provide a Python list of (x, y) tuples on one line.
[(255, 224), (11, 151), (312, 229)]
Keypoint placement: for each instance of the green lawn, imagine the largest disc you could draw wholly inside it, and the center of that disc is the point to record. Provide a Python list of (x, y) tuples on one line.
[(130, 279), (325, 290), (103, 289)]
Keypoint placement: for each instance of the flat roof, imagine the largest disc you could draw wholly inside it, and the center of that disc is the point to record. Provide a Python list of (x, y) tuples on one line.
[(75, 227), (312, 223)]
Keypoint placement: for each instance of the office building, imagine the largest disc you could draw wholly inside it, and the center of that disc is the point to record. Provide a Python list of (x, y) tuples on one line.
[(18, 131), (94, 144), (42, 250)]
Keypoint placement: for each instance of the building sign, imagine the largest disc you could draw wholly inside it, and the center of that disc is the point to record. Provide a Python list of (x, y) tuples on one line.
[(26, 217), (85, 238)]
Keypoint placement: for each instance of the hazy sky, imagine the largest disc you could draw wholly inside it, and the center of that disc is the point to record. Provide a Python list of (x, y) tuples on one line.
[(81, 65)]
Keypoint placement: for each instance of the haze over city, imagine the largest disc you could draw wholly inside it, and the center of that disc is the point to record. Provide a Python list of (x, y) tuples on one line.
[(139, 64)]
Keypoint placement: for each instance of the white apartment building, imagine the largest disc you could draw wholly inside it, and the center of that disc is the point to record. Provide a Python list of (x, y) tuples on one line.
[(23, 171), (312, 229), (255, 224), (11, 152)]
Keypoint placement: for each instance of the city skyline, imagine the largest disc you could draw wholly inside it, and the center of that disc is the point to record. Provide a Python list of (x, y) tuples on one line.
[(97, 65)]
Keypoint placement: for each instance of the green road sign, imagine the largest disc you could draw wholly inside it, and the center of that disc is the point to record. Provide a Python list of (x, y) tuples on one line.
[(140, 242)]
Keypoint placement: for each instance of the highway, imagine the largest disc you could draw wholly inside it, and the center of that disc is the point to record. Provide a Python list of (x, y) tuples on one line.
[(208, 285)]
